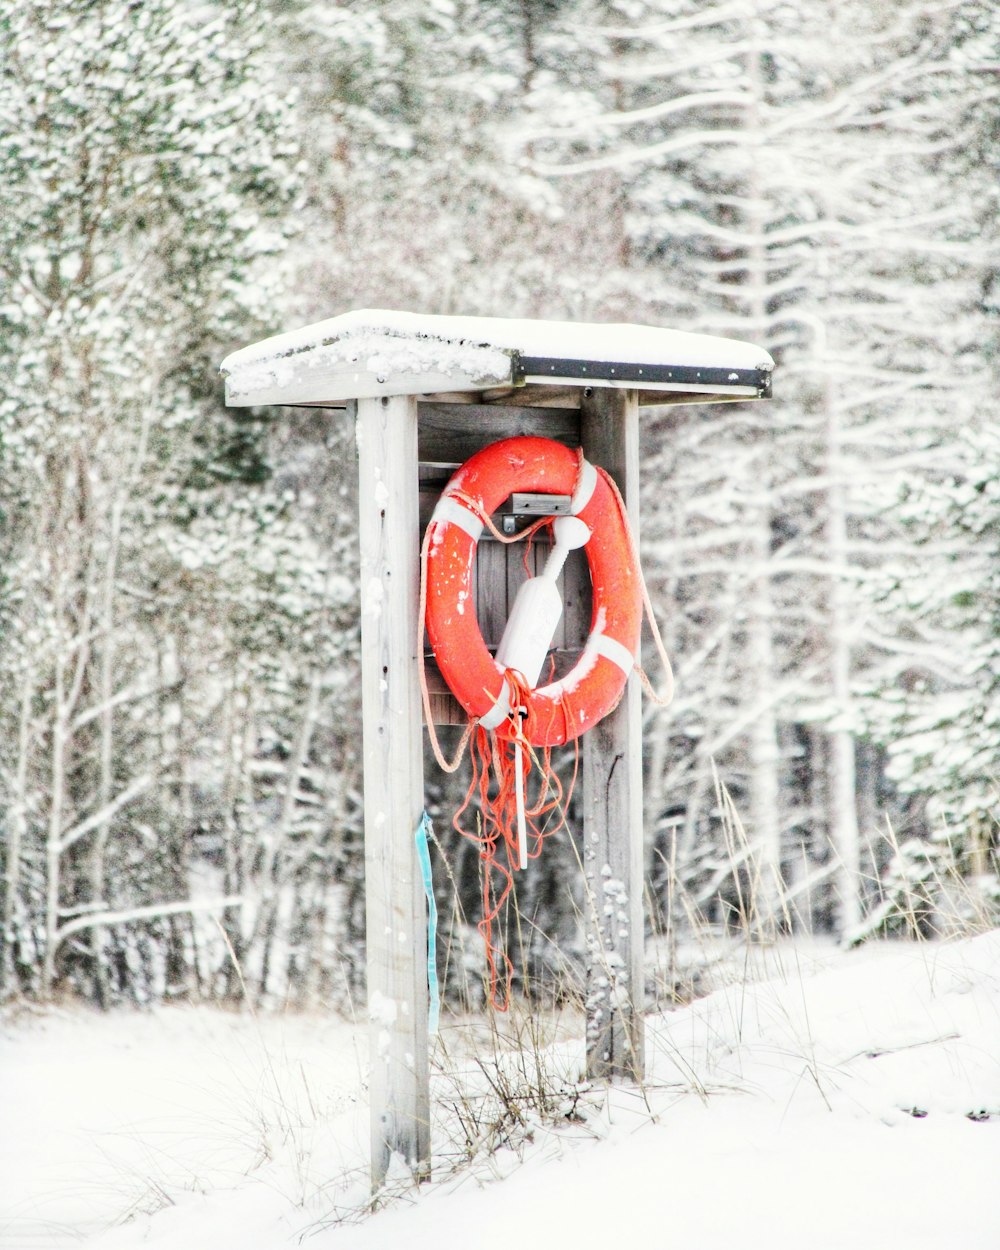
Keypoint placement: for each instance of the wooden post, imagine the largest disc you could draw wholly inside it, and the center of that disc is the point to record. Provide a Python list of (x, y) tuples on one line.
[(612, 798), (393, 759)]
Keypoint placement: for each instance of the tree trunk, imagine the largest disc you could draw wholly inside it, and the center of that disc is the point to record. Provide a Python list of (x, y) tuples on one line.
[(844, 833), (765, 753), (17, 826)]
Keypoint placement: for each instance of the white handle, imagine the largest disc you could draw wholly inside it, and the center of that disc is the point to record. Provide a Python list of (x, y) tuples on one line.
[(570, 532), (522, 826), (537, 608)]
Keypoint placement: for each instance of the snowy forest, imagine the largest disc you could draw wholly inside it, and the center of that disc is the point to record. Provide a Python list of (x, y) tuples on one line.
[(180, 763)]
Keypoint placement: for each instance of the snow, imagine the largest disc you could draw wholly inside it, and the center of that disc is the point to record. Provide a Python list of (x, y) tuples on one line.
[(379, 351), (106, 1117), (382, 1010), (826, 1099)]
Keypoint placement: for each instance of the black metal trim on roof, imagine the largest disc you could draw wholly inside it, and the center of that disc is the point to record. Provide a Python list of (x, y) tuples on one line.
[(622, 371)]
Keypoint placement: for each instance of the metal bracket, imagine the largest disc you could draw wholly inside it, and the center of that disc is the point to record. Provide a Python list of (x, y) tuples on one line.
[(540, 368), (532, 505), (540, 505)]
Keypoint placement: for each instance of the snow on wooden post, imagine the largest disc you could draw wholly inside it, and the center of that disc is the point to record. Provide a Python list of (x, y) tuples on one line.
[(393, 783), (612, 799)]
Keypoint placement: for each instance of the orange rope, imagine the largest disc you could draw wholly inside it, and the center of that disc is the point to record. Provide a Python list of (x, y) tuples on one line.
[(474, 506), (495, 760), (665, 699)]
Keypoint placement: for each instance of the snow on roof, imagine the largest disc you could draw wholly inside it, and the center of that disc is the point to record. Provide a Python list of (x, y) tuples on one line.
[(373, 352)]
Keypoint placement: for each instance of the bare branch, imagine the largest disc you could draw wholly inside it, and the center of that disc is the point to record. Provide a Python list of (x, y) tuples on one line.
[(151, 911), (106, 813)]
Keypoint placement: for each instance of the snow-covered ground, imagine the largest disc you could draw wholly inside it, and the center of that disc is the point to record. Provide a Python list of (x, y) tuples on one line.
[(831, 1100)]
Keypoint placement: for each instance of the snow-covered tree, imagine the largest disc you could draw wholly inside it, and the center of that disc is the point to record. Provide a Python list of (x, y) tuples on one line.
[(177, 627), (929, 700), (143, 153), (779, 188)]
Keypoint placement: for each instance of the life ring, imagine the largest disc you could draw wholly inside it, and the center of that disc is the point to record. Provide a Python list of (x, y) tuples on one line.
[(562, 710)]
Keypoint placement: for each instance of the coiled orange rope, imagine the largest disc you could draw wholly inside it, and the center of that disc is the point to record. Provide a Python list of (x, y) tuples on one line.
[(495, 766)]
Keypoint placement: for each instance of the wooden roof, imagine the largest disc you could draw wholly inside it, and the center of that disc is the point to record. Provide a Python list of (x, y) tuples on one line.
[(373, 352)]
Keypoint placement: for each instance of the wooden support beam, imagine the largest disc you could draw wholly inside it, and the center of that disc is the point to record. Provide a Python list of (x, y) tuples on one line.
[(612, 800), (453, 432), (393, 762)]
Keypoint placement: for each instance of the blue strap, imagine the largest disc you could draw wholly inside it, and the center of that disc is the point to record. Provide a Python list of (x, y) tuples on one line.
[(424, 855)]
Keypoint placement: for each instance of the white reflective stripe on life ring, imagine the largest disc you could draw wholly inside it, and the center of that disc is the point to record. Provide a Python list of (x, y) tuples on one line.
[(450, 511), (585, 487), (612, 650), (499, 711)]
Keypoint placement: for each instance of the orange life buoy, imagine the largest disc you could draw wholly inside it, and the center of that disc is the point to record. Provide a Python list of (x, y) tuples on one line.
[(562, 710)]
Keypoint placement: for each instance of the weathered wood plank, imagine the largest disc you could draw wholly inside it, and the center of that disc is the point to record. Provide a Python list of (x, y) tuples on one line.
[(393, 784), (445, 708), (451, 433), (534, 395), (612, 801), (541, 395), (490, 601), (579, 601), (515, 572)]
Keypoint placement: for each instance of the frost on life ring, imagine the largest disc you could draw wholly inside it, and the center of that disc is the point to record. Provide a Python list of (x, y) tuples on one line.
[(564, 709)]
